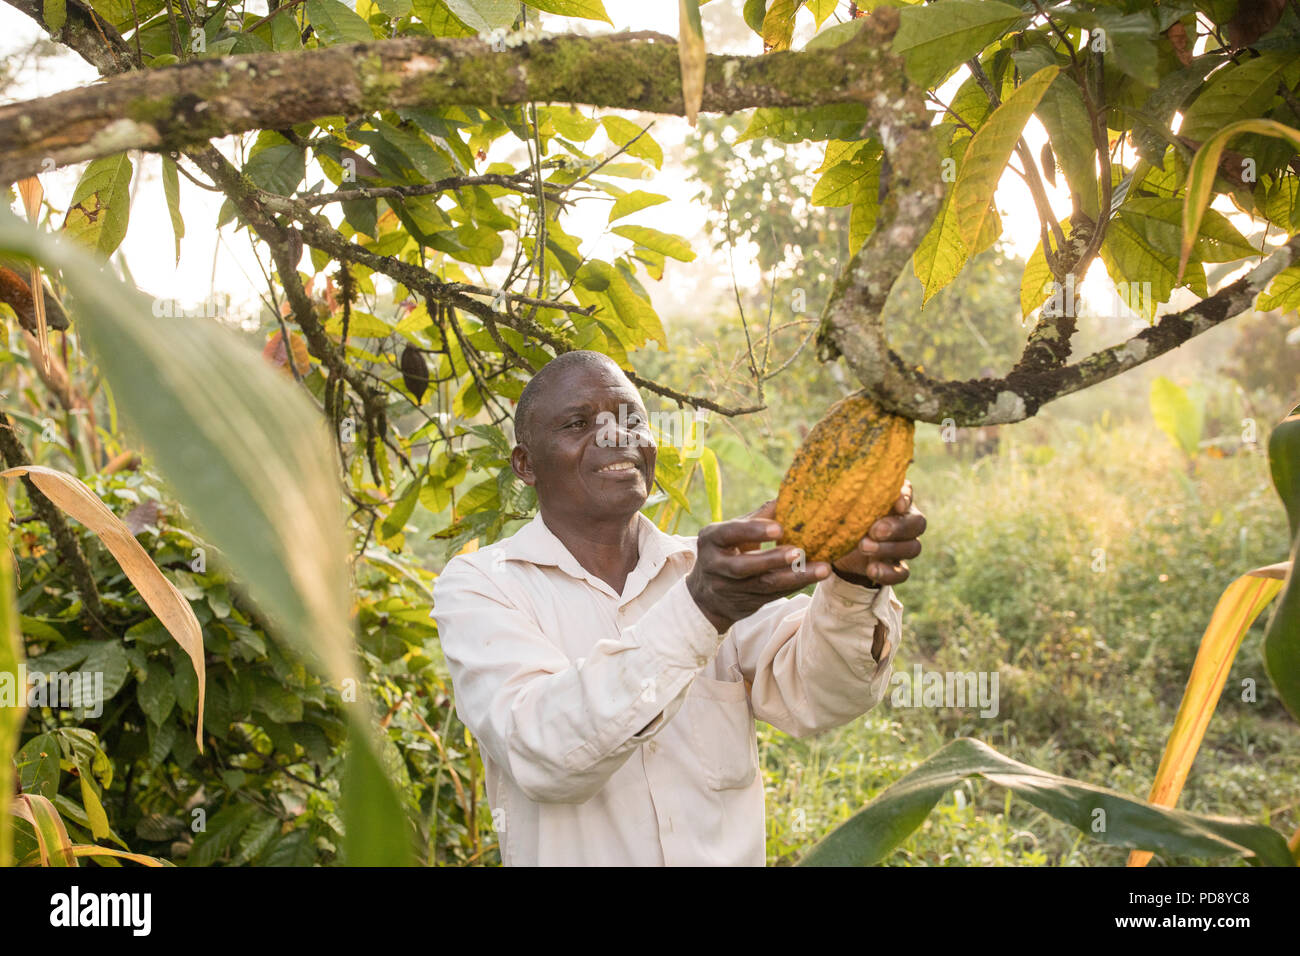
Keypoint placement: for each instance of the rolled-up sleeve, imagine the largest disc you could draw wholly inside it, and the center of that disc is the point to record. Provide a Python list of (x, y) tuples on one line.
[(808, 659), (560, 728)]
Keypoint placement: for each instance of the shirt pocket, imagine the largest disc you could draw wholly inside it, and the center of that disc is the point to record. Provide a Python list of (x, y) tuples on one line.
[(722, 731)]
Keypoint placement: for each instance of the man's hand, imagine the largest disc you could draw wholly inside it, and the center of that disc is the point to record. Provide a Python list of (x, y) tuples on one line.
[(732, 578), (881, 557)]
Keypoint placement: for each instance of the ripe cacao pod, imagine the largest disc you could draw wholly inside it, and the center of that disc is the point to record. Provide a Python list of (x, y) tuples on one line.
[(847, 474)]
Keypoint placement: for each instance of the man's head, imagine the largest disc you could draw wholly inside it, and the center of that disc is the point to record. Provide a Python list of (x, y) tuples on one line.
[(582, 439)]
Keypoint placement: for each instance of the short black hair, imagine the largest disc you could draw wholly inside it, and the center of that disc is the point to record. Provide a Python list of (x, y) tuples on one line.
[(526, 410)]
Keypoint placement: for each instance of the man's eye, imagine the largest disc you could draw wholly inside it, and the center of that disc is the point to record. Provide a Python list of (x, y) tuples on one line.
[(635, 421), (579, 423)]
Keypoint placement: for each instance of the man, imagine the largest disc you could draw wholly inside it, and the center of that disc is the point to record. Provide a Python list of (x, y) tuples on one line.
[(612, 673)]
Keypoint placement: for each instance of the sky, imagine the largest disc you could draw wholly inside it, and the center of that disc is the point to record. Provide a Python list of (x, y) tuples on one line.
[(222, 263)]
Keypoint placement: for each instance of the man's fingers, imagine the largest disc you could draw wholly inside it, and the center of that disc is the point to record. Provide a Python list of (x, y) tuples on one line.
[(738, 532), (766, 510), (898, 527), (883, 573), (904, 503), (891, 550), (750, 564)]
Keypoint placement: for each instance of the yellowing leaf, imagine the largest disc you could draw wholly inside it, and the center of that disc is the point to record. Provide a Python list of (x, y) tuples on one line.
[(163, 598), (692, 54), (990, 150), (1236, 610), (1200, 178)]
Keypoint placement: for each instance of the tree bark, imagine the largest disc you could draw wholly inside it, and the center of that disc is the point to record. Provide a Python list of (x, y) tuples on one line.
[(178, 106)]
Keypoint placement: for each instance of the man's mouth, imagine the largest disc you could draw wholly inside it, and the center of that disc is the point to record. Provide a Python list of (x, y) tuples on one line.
[(619, 468)]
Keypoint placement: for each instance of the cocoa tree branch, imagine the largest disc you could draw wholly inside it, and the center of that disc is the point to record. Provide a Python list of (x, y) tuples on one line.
[(1020, 394), (178, 106)]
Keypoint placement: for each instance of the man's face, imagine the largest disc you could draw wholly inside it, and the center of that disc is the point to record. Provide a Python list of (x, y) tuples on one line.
[(591, 453)]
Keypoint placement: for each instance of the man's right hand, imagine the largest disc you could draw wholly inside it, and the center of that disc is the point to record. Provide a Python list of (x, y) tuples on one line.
[(733, 578)]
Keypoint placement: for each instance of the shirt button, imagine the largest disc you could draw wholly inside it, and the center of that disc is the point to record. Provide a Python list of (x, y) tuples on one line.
[(701, 660), (652, 746)]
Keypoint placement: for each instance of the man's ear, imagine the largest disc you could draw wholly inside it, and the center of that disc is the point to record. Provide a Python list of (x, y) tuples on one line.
[(522, 464)]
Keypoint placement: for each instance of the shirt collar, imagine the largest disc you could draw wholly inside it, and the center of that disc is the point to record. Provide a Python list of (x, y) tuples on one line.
[(535, 543)]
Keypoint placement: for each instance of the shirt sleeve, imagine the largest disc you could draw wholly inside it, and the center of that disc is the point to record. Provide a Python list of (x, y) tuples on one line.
[(809, 660), (562, 728)]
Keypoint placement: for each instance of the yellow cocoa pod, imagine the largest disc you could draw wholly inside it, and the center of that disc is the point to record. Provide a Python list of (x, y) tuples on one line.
[(848, 473)]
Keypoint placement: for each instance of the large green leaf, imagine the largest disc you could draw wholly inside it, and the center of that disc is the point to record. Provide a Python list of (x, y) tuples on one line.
[(245, 449), (1282, 639), (1238, 91), (874, 831), (1176, 414), (936, 38), (377, 833), (336, 22)]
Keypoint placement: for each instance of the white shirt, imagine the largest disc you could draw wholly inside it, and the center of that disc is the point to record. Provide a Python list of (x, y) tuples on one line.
[(557, 677)]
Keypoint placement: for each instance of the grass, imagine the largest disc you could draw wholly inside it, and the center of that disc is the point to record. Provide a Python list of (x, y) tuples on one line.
[(1082, 564)]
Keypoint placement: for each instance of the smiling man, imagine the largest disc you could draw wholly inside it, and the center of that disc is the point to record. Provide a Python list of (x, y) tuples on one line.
[(612, 673)]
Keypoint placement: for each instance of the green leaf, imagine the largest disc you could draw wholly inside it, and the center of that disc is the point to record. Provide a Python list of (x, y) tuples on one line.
[(844, 184), (841, 121), (1036, 282), (172, 190), (1282, 637), (634, 201), (402, 508), (157, 693), (335, 22), (1065, 117), (862, 220), (275, 165), (1109, 817), (712, 482), (101, 205), (1144, 272), (244, 448), (1236, 92), (1158, 220), (1282, 293), (821, 10), (584, 9), (990, 150), (661, 242), (56, 14), (1200, 178), (1176, 415), (377, 832), (778, 24), (623, 132), (437, 16), (936, 38), (38, 766)]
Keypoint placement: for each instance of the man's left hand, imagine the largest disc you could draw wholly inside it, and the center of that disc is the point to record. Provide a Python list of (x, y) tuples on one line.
[(881, 557)]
